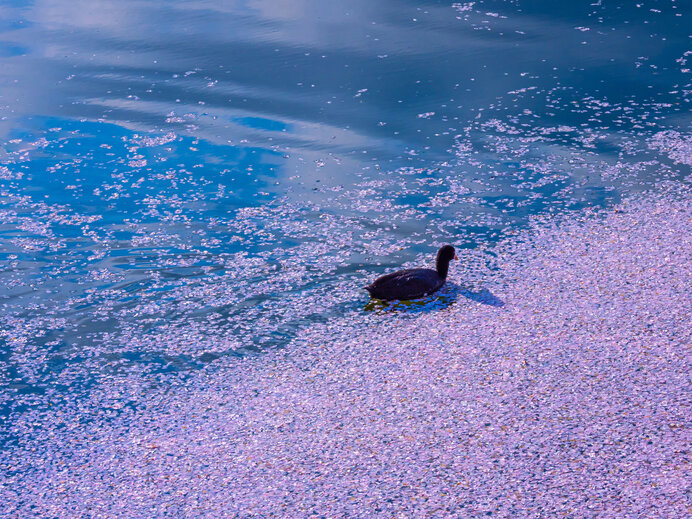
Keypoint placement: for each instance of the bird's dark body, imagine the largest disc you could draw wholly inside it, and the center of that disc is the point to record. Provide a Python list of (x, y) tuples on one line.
[(413, 283), (406, 284)]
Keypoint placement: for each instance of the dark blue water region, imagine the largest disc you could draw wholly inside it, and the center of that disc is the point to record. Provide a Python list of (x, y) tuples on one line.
[(182, 181)]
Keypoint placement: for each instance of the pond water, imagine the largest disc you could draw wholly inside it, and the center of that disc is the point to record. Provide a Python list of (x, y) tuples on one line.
[(188, 180)]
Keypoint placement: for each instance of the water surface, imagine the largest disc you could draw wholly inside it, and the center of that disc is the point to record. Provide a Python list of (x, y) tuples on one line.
[(188, 180)]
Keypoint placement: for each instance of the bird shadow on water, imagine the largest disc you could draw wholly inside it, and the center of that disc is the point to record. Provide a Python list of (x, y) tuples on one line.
[(440, 300), (483, 296)]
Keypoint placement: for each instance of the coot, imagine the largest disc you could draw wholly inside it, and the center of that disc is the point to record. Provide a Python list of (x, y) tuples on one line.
[(413, 283)]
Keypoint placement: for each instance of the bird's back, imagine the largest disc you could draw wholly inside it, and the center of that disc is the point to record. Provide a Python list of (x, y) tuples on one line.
[(406, 284)]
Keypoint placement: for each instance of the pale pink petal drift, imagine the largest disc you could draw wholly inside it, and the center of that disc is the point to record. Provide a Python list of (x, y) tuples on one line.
[(572, 400)]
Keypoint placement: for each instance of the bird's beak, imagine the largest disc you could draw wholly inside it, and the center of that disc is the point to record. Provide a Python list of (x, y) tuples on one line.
[(456, 257)]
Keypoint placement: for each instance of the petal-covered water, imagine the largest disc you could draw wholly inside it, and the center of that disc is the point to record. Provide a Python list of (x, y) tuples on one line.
[(187, 183)]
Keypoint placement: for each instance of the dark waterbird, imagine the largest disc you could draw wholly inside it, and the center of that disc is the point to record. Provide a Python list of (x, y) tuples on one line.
[(413, 283)]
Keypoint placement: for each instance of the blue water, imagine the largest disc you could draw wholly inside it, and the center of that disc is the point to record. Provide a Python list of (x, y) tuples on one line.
[(188, 180)]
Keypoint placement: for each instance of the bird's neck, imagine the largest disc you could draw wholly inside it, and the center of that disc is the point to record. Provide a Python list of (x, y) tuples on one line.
[(442, 268)]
